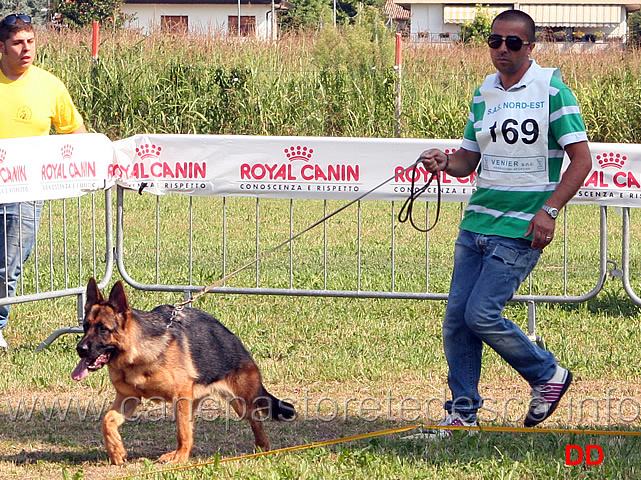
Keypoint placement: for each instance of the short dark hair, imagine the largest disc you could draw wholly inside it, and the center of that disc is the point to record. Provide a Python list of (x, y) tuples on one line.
[(7, 30), (518, 16)]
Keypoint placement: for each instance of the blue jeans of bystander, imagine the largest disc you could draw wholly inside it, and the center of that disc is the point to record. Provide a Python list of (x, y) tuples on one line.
[(487, 272), (18, 229)]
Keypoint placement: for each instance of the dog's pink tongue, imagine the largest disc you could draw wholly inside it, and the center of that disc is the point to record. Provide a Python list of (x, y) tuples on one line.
[(81, 370)]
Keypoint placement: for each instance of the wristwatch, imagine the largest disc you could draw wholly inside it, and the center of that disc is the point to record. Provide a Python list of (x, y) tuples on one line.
[(551, 211)]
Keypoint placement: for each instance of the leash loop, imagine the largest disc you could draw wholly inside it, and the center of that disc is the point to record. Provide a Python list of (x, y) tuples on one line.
[(407, 209)]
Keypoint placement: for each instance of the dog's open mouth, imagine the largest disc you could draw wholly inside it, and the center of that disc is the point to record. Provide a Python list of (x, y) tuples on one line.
[(83, 368)]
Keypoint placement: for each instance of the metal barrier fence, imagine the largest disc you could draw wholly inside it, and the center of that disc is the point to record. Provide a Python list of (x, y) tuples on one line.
[(362, 253), (626, 252), (178, 243), (71, 246)]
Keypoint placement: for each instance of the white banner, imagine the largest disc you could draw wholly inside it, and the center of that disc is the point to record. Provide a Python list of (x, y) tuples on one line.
[(54, 166), (615, 179), (279, 167), (332, 168), (63, 166)]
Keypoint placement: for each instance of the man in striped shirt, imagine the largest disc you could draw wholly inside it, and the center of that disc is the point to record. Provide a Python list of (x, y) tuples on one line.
[(523, 119)]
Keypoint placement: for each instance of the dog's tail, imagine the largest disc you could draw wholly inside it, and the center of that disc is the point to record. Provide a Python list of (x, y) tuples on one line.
[(275, 408)]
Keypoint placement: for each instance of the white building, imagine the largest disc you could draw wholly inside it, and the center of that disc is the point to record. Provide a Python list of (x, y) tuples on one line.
[(255, 17), (434, 17)]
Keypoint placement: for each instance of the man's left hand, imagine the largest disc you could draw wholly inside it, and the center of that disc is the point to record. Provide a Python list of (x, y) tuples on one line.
[(542, 225)]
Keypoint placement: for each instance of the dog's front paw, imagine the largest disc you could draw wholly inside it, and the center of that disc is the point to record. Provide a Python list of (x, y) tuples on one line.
[(115, 449), (118, 456), (176, 456)]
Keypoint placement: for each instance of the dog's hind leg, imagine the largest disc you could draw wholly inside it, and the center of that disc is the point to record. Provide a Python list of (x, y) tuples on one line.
[(248, 411), (183, 407), (121, 408)]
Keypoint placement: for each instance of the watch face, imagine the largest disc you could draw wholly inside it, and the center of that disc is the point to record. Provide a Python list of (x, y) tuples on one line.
[(552, 212)]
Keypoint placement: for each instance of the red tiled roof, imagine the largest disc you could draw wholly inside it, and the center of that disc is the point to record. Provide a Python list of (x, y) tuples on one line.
[(395, 11)]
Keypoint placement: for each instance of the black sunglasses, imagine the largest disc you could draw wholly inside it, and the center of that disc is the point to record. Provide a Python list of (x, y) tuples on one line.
[(512, 42), (11, 19)]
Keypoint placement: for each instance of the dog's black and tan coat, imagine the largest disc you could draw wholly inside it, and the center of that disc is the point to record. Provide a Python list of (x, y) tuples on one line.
[(181, 359)]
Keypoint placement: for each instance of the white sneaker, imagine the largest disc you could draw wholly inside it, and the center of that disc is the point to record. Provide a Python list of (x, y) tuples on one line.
[(3, 342), (546, 397), (454, 420)]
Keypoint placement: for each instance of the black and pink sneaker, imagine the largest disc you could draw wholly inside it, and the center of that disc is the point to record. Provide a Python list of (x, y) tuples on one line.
[(546, 397)]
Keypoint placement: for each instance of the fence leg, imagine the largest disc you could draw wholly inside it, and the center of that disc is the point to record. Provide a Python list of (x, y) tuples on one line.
[(49, 340), (62, 331), (531, 324)]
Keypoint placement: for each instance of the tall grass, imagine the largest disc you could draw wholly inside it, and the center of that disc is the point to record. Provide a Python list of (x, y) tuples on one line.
[(330, 83)]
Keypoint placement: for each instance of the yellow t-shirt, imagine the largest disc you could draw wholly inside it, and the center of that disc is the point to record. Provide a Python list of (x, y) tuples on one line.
[(30, 105)]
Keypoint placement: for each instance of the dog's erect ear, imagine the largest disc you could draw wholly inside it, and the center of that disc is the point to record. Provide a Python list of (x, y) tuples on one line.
[(118, 298), (93, 294)]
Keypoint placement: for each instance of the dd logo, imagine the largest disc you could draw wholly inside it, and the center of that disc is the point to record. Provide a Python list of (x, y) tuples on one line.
[(588, 455)]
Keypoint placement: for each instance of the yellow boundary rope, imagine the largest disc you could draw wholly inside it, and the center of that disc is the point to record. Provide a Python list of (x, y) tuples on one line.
[(389, 431)]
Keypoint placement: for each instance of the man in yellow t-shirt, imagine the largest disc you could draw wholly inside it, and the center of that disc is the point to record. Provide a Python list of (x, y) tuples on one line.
[(31, 101)]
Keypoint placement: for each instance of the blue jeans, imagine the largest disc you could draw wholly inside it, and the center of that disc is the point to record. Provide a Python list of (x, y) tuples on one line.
[(488, 270), (18, 229)]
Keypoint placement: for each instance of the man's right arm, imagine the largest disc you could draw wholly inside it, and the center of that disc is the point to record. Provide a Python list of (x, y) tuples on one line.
[(458, 164), (80, 129)]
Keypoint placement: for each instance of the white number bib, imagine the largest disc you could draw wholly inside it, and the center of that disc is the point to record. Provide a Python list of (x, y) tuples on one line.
[(514, 131)]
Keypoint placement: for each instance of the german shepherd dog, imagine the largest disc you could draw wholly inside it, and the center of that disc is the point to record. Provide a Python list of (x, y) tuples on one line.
[(180, 356)]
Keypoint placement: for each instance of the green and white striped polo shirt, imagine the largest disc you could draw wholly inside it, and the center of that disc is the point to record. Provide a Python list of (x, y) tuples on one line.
[(520, 164)]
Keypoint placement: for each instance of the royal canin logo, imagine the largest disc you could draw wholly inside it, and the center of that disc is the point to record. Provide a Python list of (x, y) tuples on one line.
[(601, 178), (611, 159), (67, 169), (3, 155), (149, 165), (308, 172)]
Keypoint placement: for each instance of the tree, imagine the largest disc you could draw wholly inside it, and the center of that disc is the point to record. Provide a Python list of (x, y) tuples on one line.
[(78, 13), (634, 29), (306, 15), (38, 10), (348, 11), (314, 14), (478, 29)]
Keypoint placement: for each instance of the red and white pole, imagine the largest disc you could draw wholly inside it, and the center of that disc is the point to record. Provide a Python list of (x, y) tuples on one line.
[(95, 41), (399, 49)]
